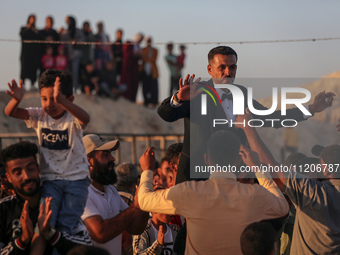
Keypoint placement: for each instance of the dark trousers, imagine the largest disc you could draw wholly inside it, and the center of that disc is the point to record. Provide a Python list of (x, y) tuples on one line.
[(174, 84), (150, 89)]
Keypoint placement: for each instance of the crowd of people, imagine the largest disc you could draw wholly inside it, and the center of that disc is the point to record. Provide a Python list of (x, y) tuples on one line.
[(98, 65), (74, 199)]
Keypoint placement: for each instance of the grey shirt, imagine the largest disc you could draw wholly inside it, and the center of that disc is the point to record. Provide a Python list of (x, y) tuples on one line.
[(317, 222)]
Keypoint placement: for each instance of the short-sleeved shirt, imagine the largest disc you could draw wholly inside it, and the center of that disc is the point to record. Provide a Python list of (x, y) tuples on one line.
[(317, 223), (107, 204), (62, 152), (173, 69)]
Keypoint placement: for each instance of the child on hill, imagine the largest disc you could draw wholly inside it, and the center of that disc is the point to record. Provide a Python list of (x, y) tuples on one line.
[(47, 60), (63, 163)]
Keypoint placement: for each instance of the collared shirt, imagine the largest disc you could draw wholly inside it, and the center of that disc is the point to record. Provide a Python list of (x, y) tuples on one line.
[(317, 224), (217, 210), (227, 105), (106, 204)]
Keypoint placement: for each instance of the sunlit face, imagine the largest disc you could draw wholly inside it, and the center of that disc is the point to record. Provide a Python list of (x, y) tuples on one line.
[(31, 20), (106, 159), (222, 69), (52, 108), (49, 22), (89, 68), (119, 35), (164, 168), (102, 168), (23, 173), (174, 166)]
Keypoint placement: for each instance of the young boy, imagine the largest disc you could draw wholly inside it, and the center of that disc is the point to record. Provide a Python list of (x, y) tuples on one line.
[(158, 237), (89, 80), (59, 125)]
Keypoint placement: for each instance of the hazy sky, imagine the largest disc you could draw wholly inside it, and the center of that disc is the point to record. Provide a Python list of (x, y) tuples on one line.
[(198, 21)]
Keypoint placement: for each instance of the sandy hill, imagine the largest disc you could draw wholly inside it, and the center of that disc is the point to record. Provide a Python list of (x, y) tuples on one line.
[(107, 116), (320, 129)]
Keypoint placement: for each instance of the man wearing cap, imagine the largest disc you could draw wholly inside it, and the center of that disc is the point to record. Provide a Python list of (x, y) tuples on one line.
[(106, 215)]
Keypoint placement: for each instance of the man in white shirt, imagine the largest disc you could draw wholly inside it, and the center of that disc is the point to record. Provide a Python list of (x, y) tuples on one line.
[(106, 215)]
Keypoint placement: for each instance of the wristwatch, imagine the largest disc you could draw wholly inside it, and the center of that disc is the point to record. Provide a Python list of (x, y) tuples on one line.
[(177, 99)]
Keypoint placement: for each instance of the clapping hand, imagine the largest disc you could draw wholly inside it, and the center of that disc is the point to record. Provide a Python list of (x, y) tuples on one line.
[(56, 91), (44, 218), (26, 224)]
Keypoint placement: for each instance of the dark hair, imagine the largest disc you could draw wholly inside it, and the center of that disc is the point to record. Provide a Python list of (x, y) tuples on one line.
[(31, 15), (48, 78), (258, 239), (169, 45), (173, 151), (51, 18), (163, 160), (294, 158), (72, 26), (222, 50), (23, 149), (86, 23), (223, 148), (127, 174)]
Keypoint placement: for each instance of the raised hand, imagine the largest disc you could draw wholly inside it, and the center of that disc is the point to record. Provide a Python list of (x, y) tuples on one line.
[(188, 90), (15, 91), (249, 157), (56, 91), (321, 102), (243, 119), (147, 160), (44, 218), (160, 237), (26, 225)]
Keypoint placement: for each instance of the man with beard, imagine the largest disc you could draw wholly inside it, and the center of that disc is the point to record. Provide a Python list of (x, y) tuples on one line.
[(106, 214), (20, 213)]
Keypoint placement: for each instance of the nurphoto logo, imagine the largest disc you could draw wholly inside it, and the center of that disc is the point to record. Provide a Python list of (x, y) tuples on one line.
[(239, 104)]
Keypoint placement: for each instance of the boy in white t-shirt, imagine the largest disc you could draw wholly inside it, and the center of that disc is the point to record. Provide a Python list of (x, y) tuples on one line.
[(63, 163)]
